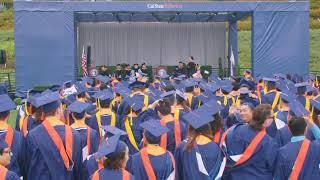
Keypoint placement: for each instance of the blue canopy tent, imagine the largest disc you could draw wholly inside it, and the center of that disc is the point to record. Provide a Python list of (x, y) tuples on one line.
[(46, 38)]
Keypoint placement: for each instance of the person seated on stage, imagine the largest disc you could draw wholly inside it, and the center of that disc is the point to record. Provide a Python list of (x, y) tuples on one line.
[(13, 138), (104, 71), (114, 154), (199, 156), (181, 69), (152, 162), (46, 155), (5, 159), (240, 144), (127, 70), (300, 158), (191, 66), (118, 72), (136, 68), (144, 68)]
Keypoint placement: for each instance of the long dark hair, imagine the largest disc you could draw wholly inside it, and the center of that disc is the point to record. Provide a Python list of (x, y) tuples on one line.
[(260, 114), (114, 162), (207, 130), (185, 104)]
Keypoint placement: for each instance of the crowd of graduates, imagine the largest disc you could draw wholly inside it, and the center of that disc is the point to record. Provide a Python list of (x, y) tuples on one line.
[(176, 127)]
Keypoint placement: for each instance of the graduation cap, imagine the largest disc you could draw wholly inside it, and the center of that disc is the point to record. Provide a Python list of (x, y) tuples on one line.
[(213, 78), (153, 130), (244, 91), (87, 79), (48, 101), (297, 109), (111, 130), (286, 96), (104, 79), (137, 84), (67, 84), (189, 84), (248, 71), (31, 93), (167, 94), (311, 89), (110, 147), (206, 96), (211, 107), (213, 87), (123, 91), (181, 94), (55, 87), (248, 104), (247, 83), (227, 88), (270, 80), (6, 104), (302, 84), (78, 107), (104, 95), (198, 119), (312, 77), (3, 144), (280, 75), (80, 88), (135, 103), (204, 86)]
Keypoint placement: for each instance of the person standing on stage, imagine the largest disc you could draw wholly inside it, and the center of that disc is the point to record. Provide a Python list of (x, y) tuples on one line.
[(191, 66)]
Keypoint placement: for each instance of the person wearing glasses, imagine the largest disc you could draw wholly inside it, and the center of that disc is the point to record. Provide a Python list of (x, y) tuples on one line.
[(5, 158)]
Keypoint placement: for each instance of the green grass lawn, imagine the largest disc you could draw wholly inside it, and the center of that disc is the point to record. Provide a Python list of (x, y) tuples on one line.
[(12, 119), (245, 49)]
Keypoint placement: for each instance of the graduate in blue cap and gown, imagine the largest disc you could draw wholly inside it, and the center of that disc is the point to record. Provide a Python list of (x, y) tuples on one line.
[(92, 163), (312, 132), (178, 129), (200, 157), (105, 115), (271, 96), (130, 124), (300, 158), (302, 94), (5, 158), (246, 96), (89, 137), (137, 90), (178, 101), (114, 154), (251, 152), (53, 149), (13, 138), (281, 116), (192, 91), (152, 162), (32, 116), (240, 115), (284, 135)]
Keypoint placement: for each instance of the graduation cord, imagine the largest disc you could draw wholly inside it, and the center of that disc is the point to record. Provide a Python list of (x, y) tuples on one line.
[(130, 133)]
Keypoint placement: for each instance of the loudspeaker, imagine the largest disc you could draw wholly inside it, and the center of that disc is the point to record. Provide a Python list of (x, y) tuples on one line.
[(3, 57)]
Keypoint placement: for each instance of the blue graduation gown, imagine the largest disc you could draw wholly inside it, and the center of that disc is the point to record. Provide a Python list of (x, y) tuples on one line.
[(187, 165), (272, 129), (232, 120), (162, 166), (287, 156), (302, 100), (137, 133), (268, 98), (91, 165), (93, 122), (261, 163), (124, 103), (17, 159), (171, 143), (112, 174), (283, 136), (32, 123), (11, 176), (43, 158)]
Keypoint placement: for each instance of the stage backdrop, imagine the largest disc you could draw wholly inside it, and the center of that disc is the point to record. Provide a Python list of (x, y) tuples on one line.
[(153, 43)]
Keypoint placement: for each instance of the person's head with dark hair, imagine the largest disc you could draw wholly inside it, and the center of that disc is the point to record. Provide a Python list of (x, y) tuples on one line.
[(6, 105), (201, 125), (191, 58), (262, 117), (164, 108), (153, 131), (297, 126), (113, 152), (5, 153), (144, 66), (246, 110), (301, 88), (78, 110), (168, 88)]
